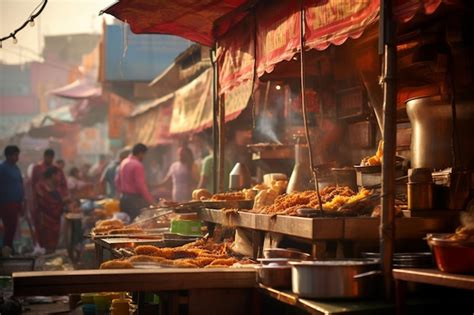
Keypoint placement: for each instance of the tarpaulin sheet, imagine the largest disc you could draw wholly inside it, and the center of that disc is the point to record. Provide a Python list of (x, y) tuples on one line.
[(151, 127), (192, 106), (278, 33), (337, 20), (190, 19), (236, 56), (326, 22)]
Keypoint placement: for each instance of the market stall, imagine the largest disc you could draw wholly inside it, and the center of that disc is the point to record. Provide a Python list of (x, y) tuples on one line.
[(356, 226)]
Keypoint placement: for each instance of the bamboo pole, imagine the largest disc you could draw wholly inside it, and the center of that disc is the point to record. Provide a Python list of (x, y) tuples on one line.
[(387, 227), (304, 109), (215, 122)]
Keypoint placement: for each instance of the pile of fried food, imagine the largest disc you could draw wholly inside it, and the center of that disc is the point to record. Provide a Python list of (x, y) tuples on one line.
[(199, 254), (333, 198), (463, 233), (376, 159), (114, 227), (229, 196)]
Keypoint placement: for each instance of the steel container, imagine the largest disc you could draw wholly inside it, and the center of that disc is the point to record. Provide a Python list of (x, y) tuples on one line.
[(431, 143), (335, 278)]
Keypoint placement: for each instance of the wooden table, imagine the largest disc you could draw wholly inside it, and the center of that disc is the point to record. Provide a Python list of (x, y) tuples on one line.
[(427, 276), (140, 280), (349, 228), (320, 230)]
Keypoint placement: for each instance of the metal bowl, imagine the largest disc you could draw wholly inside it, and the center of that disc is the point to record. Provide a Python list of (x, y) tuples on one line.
[(285, 253)]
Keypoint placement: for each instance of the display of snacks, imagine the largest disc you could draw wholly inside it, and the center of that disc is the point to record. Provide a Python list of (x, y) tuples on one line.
[(199, 254), (334, 199)]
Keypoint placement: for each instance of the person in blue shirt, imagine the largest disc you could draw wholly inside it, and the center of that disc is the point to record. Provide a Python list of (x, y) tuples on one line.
[(11, 196)]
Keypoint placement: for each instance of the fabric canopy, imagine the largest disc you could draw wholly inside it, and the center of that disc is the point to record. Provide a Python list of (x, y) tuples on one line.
[(192, 106), (278, 32), (192, 20), (78, 89), (54, 123), (150, 123)]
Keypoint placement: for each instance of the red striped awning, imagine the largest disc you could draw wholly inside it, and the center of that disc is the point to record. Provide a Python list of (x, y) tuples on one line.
[(190, 19)]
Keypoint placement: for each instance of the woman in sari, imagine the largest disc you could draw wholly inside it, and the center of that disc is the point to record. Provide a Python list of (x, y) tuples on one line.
[(50, 207)]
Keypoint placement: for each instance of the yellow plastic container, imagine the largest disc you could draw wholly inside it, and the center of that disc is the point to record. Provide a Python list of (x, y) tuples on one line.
[(120, 307)]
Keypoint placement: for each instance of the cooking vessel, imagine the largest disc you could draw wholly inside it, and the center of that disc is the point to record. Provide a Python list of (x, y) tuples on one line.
[(452, 255), (285, 253), (335, 278), (431, 141), (275, 276)]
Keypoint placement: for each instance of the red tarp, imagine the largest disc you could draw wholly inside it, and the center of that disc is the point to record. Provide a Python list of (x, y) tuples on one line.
[(189, 19), (235, 56), (278, 33), (337, 20)]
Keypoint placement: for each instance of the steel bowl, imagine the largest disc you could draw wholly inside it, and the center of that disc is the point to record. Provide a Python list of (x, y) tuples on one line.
[(285, 253)]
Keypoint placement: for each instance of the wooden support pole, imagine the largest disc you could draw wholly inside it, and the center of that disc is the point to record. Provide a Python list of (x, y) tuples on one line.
[(387, 226)]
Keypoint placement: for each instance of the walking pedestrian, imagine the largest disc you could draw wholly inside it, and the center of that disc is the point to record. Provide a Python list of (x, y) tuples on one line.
[(11, 196), (131, 183)]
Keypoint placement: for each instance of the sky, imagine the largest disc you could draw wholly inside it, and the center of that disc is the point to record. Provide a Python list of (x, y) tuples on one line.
[(58, 18)]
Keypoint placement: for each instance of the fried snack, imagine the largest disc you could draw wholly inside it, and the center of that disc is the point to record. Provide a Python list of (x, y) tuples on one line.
[(202, 262), (116, 264), (126, 231), (375, 159), (145, 258), (217, 266), (201, 194), (148, 250), (265, 198), (229, 196), (100, 230), (331, 197), (249, 193), (180, 253), (185, 263), (224, 261), (260, 187), (112, 224)]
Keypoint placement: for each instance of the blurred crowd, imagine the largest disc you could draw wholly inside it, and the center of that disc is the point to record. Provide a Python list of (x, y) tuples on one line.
[(49, 188)]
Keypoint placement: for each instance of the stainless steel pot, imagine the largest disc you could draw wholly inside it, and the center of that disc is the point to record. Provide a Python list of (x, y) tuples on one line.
[(335, 278), (431, 141)]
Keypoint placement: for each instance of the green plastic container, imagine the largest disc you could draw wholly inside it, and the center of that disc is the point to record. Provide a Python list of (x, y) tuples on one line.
[(186, 227)]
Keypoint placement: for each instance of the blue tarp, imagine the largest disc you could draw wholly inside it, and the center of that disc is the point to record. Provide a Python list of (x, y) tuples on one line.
[(138, 57)]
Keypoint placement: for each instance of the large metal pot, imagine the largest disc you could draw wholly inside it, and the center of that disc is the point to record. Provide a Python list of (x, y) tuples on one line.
[(335, 278), (431, 142)]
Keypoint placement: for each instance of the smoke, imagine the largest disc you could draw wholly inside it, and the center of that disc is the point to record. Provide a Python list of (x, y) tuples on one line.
[(467, 217), (266, 126)]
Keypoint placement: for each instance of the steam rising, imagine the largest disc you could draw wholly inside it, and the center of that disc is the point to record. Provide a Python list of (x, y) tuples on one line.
[(266, 126)]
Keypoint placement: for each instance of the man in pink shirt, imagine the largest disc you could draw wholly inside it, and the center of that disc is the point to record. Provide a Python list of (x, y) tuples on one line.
[(131, 183)]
